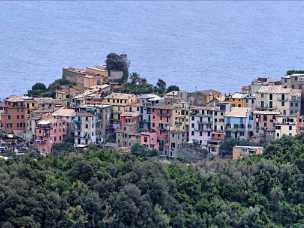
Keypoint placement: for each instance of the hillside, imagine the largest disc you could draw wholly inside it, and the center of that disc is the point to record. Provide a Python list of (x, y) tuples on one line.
[(106, 189)]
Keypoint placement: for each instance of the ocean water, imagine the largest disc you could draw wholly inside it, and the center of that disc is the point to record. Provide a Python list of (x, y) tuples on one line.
[(196, 45)]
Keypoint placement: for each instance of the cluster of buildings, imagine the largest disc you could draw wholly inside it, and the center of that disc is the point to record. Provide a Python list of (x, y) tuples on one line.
[(92, 112)]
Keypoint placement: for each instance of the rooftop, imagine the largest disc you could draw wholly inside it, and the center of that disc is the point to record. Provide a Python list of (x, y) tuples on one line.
[(45, 100), (249, 147), (239, 95), (120, 96), (94, 106), (293, 75), (149, 96), (46, 121), (98, 67), (278, 89), (237, 112), (17, 98), (93, 91), (64, 112), (267, 112)]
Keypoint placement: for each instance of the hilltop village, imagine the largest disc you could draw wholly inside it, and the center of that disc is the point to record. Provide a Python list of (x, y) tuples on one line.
[(106, 106)]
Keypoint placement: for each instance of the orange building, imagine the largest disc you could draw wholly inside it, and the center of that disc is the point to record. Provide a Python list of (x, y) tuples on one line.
[(14, 116), (237, 100)]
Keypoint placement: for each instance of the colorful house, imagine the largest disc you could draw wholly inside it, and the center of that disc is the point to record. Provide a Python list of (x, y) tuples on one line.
[(120, 102), (264, 124), (238, 123), (127, 134), (15, 114), (49, 131), (91, 124), (146, 101), (149, 139), (277, 98), (160, 123)]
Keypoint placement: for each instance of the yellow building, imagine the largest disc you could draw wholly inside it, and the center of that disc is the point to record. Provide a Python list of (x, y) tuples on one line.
[(179, 126), (237, 100), (86, 77), (121, 102), (100, 71)]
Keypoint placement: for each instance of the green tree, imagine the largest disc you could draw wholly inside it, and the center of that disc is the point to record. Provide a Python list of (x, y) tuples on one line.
[(160, 87), (172, 88), (76, 217), (118, 63)]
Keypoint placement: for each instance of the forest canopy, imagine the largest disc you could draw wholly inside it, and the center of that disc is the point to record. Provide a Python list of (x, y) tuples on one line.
[(104, 188)]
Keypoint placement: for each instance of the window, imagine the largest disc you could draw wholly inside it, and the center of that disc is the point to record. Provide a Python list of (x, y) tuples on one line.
[(86, 126), (192, 132), (290, 128)]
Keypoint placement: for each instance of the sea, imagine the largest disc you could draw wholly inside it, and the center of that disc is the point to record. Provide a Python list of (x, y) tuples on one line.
[(193, 44)]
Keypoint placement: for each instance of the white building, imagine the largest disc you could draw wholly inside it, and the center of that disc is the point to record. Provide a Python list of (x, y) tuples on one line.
[(205, 120), (277, 98), (91, 124)]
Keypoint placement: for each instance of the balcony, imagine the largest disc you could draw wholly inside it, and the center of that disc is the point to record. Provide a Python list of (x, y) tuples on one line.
[(235, 127)]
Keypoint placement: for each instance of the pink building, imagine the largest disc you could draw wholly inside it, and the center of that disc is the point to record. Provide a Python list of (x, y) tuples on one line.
[(160, 123), (149, 139), (127, 134), (48, 132)]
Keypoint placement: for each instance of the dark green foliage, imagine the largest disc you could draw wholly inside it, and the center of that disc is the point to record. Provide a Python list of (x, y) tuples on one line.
[(137, 85), (172, 88), (58, 83), (101, 188), (142, 151), (67, 146), (160, 87), (40, 90), (290, 72), (119, 63)]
